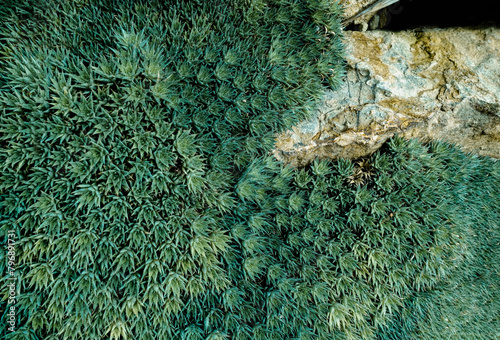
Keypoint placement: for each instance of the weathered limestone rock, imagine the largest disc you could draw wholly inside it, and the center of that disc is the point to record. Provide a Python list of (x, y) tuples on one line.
[(431, 84)]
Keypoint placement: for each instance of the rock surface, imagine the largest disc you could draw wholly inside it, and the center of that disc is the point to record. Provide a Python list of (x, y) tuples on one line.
[(430, 84)]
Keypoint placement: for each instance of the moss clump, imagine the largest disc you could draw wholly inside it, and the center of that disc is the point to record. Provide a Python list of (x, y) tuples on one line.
[(466, 304), (133, 143), (393, 258), (125, 127)]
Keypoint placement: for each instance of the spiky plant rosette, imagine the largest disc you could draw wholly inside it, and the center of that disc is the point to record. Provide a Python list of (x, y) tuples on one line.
[(133, 141), (411, 254), (466, 304), (124, 127)]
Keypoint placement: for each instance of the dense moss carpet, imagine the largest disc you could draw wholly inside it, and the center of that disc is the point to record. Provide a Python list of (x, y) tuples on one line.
[(136, 180)]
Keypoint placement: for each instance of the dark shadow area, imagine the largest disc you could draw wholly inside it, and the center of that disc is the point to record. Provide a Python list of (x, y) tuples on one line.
[(411, 14), (423, 13)]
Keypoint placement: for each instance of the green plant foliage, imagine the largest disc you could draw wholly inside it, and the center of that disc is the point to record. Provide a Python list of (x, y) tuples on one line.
[(408, 255), (467, 304), (125, 127), (134, 169)]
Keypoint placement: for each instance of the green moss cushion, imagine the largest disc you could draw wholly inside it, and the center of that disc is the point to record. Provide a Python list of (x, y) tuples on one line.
[(134, 172), (124, 127), (408, 253)]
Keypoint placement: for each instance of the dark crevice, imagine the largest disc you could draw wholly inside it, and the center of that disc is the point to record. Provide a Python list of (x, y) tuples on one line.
[(414, 14)]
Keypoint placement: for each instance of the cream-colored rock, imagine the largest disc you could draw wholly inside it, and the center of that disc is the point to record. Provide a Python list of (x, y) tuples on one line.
[(431, 84)]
